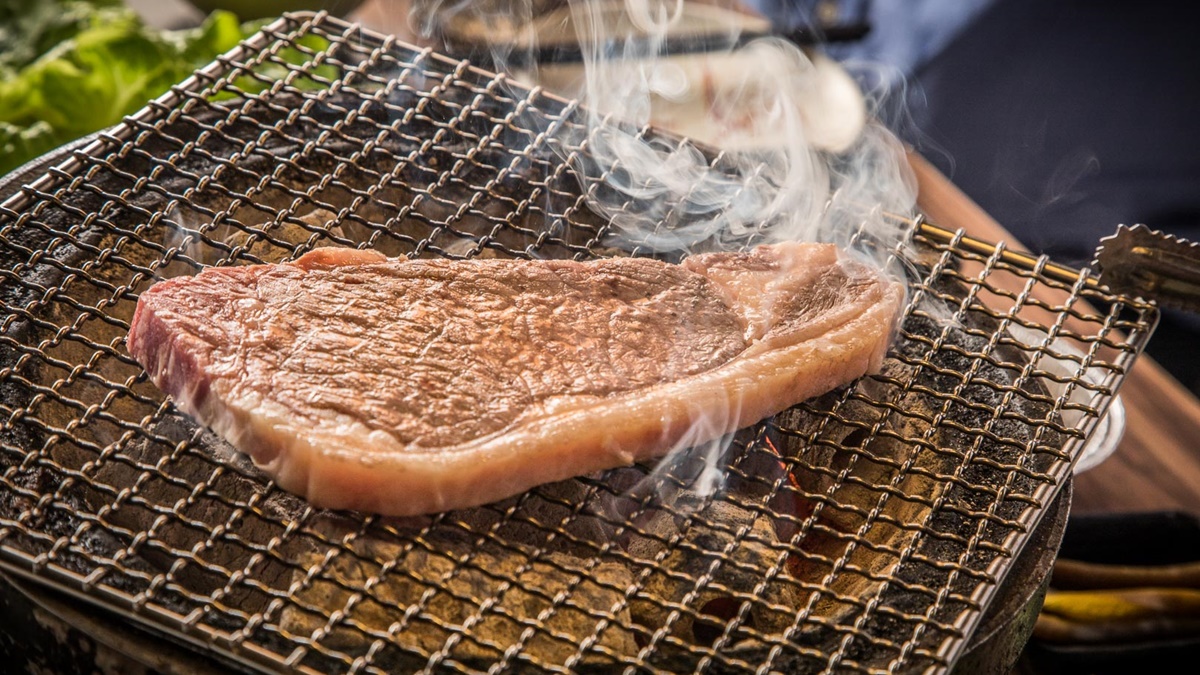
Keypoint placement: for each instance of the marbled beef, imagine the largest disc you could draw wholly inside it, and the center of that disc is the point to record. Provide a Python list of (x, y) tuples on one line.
[(410, 386)]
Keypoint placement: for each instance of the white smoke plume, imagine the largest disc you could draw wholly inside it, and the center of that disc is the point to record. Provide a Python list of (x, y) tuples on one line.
[(800, 152)]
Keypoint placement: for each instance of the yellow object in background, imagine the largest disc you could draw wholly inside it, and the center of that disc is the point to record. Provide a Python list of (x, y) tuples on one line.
[(1123, 604), (1124, 597), (1115, 615)]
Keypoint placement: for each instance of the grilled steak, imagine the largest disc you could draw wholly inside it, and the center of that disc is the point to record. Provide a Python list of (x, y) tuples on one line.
[(402, 387)]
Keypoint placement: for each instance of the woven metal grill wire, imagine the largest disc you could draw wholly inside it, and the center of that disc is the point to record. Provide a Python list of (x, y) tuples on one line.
[(864, 531)]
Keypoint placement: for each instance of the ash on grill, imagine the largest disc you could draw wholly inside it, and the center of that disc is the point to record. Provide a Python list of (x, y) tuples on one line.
[(864, 530)]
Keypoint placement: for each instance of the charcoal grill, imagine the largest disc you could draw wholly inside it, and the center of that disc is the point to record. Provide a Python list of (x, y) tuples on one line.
[(864, 531)]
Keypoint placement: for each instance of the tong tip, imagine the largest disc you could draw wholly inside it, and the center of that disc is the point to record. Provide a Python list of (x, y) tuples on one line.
[(1151, 264)]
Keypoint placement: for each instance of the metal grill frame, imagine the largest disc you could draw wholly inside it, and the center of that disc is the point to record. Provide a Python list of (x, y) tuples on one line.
[(1007, 288)]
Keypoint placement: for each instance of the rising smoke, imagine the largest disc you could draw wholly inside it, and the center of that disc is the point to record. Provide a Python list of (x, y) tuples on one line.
[(802, 155), (782, 142)]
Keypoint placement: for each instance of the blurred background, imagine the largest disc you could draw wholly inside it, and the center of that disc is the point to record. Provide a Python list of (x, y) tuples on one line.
[(1060, 118)]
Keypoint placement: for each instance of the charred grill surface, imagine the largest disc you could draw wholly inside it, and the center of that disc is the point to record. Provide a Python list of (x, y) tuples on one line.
[(862, 531)]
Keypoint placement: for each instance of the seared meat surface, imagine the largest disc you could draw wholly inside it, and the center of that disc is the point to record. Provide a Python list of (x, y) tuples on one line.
[(404, 387)]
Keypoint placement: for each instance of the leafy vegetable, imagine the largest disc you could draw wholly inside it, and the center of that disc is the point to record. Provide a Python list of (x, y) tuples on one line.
[(71, 67), (30, 28)]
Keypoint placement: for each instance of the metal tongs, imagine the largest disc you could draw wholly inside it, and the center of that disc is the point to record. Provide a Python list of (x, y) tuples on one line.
[(1141, 262)]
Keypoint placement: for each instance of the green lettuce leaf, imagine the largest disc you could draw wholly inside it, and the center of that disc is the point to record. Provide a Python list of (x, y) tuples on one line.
[(30, 28), (71, 67), (30, 141)]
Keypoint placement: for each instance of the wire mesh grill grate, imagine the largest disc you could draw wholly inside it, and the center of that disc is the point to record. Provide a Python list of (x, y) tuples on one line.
[(864, 531)]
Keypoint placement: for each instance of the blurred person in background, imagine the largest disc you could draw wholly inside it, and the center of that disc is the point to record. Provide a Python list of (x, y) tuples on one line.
[(1061, 118)]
